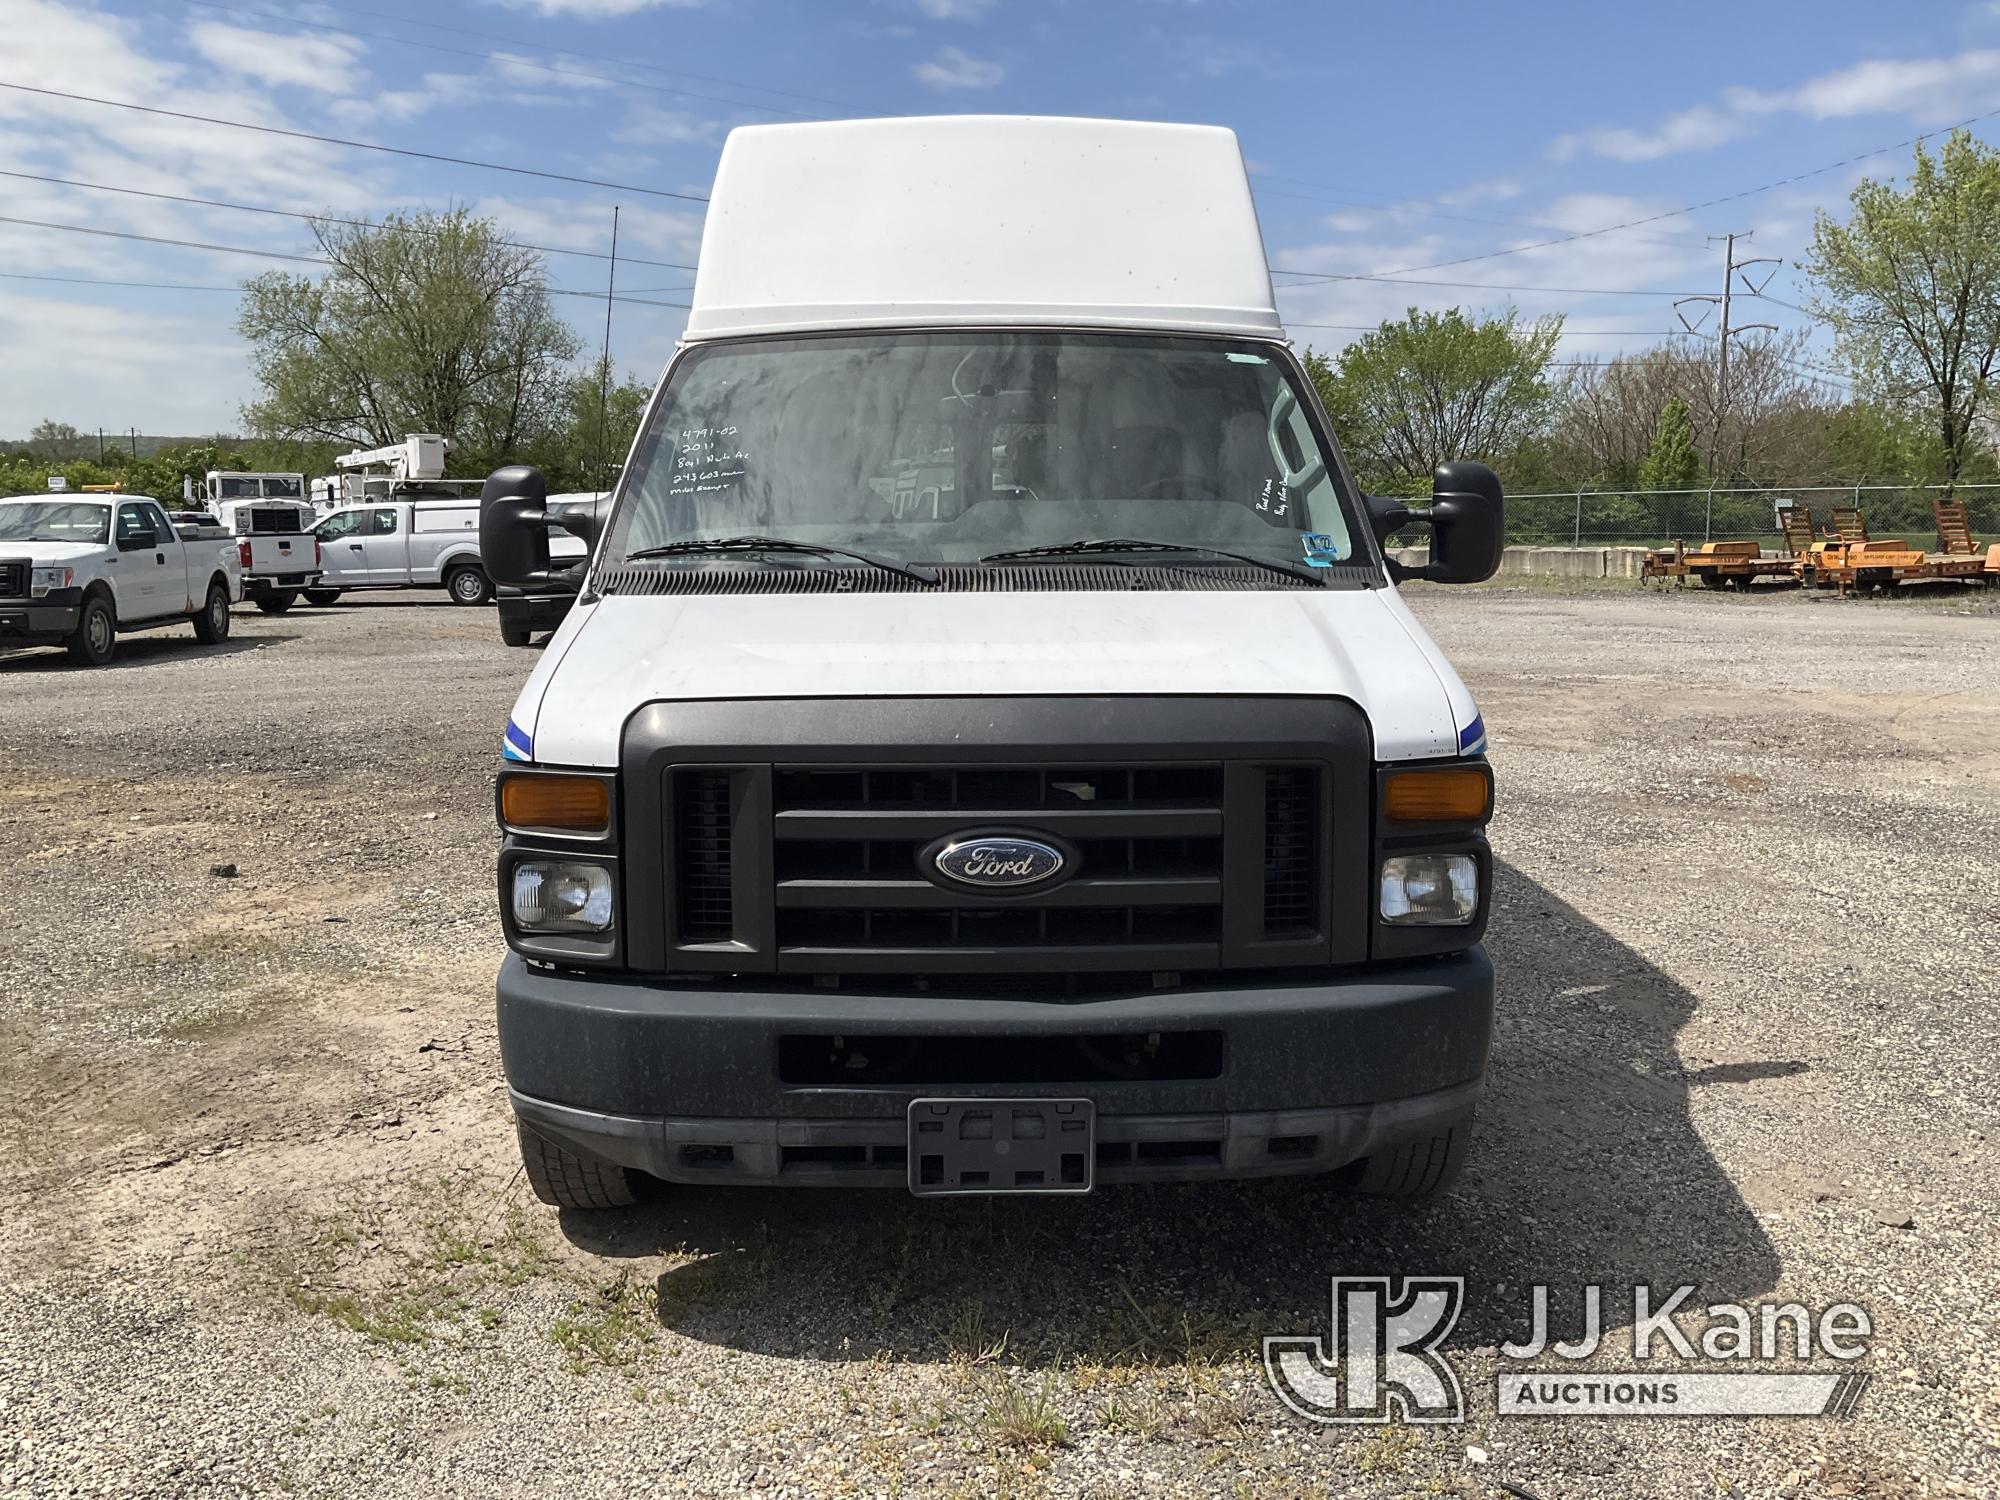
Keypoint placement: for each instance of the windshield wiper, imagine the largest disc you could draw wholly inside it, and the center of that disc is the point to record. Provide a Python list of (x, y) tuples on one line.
[(913, 571), (1128, 544)]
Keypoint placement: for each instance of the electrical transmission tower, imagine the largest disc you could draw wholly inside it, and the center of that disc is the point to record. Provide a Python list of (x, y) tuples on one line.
[(1731, 267)]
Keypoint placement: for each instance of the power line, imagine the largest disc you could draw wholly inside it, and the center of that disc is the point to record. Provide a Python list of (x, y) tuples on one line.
[(1439, 265), (330, 140), (508, 59), (1636, 333), (1484, 286), (309, 260), (288, 213), (1400, 205), (157, 286)]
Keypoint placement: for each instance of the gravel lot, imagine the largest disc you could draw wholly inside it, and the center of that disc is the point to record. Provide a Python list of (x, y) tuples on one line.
[(261, 1227)]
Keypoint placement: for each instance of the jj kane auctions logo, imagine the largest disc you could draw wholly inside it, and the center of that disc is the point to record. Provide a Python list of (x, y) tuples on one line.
[(1382, 1358)]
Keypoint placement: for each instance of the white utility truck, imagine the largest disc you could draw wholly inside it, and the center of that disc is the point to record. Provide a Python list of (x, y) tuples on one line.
[(77, 570), (988, 751), (410, 470), (271, 519)]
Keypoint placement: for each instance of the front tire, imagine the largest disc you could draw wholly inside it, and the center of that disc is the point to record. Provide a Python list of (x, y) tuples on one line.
[(1413, 1168), (515, 635), (211, 626), (563, 1179), (96, 634), (469, 585), (278, 603), (322, 597)]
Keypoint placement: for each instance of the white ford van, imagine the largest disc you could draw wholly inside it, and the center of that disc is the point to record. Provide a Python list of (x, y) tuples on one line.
[(988, 751)]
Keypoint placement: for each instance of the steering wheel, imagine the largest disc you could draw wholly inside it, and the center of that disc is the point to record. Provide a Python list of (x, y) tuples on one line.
[(1315, 470)]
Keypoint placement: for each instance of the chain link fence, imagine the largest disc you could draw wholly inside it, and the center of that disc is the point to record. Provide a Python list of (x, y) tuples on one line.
[(1655, 518)]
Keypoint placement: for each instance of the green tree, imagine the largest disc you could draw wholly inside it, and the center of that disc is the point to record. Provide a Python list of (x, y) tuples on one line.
[(430, 323), (1673, 462), (1911, 286), (58, 442), (1436, 387)]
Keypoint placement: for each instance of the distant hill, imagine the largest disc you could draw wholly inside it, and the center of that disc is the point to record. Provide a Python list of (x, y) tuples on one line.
[(147, 444)]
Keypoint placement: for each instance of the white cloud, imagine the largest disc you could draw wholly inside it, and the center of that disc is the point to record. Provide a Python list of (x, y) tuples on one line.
[(955, 10), (599, 10), (1926, 90), (1699, 129), (325, 64), (649, 125), (953, 68)]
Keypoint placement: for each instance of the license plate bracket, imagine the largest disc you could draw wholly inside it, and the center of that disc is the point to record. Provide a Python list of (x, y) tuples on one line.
[(967, 1146)]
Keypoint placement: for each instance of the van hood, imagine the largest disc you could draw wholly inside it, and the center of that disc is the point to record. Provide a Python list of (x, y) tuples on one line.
[(617, 654)]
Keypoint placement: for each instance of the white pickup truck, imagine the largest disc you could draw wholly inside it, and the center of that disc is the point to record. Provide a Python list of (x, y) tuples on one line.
[(75, 571), (276, 547), (402, 544)]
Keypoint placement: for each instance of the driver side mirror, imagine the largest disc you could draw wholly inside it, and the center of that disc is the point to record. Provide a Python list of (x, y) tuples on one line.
[(514, 527), (1467, 522), (137, 541)]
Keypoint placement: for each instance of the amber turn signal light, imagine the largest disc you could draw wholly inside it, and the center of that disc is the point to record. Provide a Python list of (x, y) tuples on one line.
[(1459, 795), (574, 804)]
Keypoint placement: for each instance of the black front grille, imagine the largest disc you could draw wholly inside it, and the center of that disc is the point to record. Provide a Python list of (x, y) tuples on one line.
[(1291, 851), (853, 889), (703, 862), (13, 580)]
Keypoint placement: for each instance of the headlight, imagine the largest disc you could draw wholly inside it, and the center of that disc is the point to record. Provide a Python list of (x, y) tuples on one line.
[(43, 580), (1430, 890), (560, 895)]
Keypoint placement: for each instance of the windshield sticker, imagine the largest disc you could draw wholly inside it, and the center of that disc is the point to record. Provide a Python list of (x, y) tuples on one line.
[(707, 460), (1246, 359), (1273, 499), (1322, 551)]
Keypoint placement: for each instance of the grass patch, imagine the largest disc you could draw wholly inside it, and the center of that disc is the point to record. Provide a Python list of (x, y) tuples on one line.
[(372, 1276), (1015, 1415), (607, 1328)]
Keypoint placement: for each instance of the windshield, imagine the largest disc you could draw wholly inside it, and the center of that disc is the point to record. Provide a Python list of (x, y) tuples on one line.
[(54, 521), (948, 447)]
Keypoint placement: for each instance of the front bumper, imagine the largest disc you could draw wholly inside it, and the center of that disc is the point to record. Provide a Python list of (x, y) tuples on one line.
[(47, 620), (685, 1081)]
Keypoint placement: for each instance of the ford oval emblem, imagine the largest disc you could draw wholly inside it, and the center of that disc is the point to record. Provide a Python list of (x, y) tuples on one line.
[(999, 860)]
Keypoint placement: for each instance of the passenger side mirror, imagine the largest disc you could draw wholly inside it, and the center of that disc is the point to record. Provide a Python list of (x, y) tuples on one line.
[(514, 527), (1467, 522)]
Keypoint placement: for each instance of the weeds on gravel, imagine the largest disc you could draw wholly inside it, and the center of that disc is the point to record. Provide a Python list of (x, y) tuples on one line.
[(1015, 1415), (356, 1272), (608, 1329)]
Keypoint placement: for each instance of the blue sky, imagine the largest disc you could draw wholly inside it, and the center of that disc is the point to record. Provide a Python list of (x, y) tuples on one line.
[(1408, 141)]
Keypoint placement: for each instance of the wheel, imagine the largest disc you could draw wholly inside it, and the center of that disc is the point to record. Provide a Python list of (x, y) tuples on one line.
[(96, 633), (211, 626), (322, 596), (566, 1180), (468, 585), (1714, 581), (1414, 1168), (516, 635), (278, 603)]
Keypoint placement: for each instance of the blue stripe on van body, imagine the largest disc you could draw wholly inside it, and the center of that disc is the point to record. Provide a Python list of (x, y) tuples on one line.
[(1472, 738)]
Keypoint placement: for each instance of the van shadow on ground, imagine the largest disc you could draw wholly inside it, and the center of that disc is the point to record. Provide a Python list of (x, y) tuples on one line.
[(1586, 1168)]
